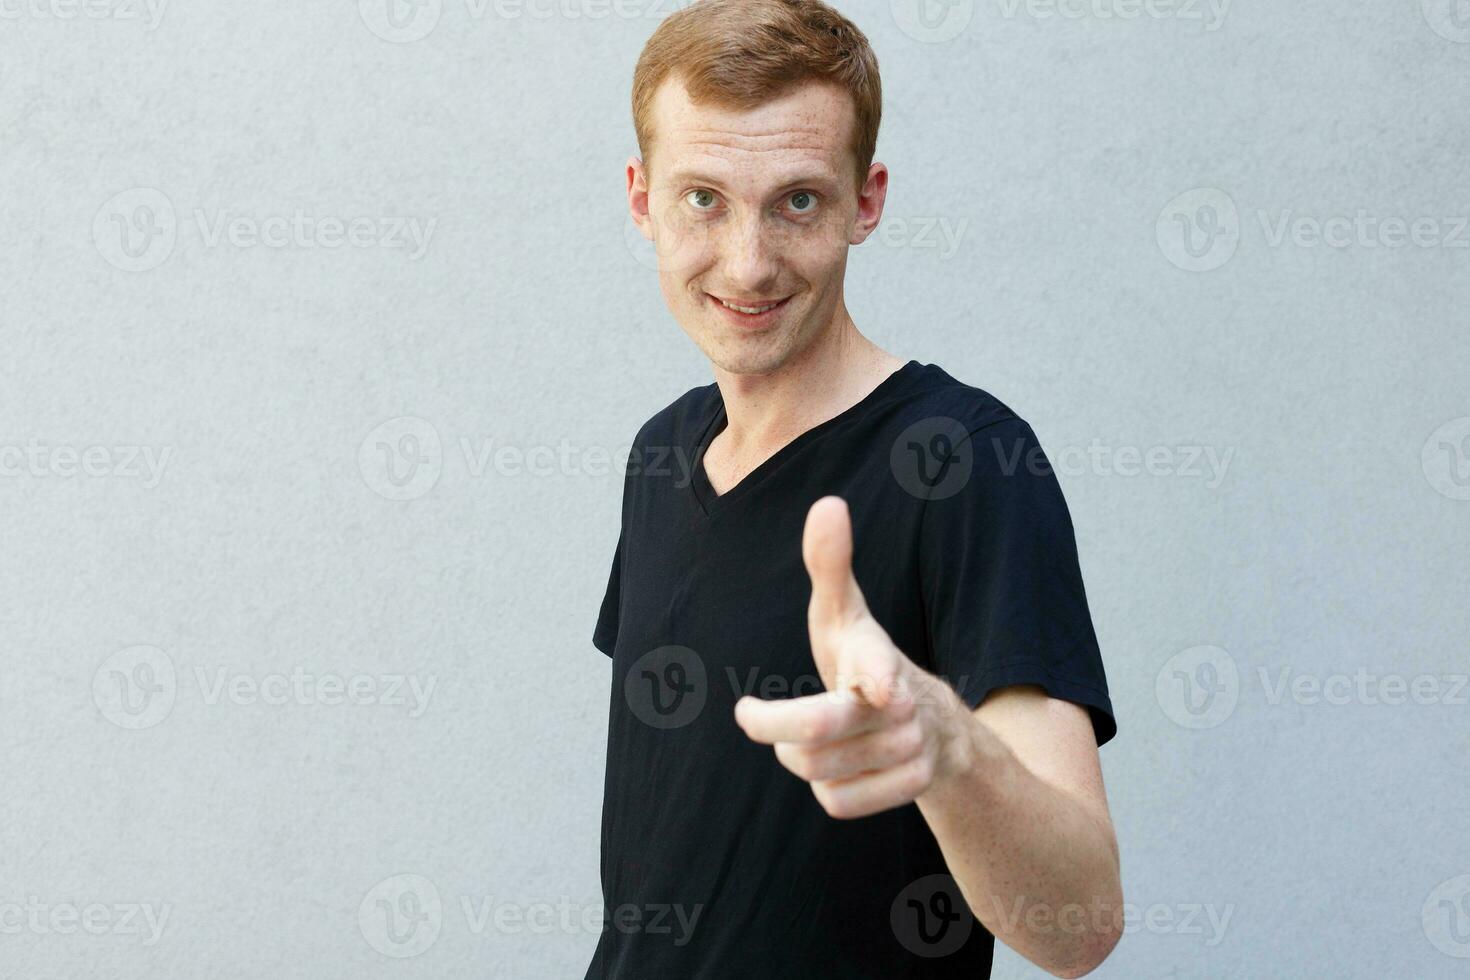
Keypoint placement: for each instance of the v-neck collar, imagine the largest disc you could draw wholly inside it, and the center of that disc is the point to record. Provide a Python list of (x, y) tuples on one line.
[(712, 504)]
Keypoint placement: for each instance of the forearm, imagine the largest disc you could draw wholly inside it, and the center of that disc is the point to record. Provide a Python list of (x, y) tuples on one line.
[(1038, 868)]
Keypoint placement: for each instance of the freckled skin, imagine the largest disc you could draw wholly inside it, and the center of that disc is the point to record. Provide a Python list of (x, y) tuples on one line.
[(755, 205)]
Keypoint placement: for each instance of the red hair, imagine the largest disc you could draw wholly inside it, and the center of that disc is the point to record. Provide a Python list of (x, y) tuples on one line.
[(739, 54)]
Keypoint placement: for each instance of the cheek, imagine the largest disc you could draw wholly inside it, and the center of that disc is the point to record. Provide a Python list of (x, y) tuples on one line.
[(676, 291), (683, 243), (819, 255), (825, 241)]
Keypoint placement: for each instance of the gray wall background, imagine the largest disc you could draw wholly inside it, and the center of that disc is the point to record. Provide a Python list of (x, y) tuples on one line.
[(229, 463)]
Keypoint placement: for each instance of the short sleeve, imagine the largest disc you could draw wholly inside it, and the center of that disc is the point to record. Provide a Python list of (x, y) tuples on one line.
[(605, 634), (1002, 586)]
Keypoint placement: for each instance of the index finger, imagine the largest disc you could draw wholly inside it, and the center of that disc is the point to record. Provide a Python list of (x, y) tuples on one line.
[(816, 718)]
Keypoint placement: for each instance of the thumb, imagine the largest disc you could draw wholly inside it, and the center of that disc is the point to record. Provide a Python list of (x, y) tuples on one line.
[(826, 548)]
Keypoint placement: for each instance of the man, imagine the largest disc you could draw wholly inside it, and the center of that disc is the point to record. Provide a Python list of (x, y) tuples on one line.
[(856, 695)]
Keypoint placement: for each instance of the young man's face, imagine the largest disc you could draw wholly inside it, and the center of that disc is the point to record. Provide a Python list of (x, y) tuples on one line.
[(754, 209)]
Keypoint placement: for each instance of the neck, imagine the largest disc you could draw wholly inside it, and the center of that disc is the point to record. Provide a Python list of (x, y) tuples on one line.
[(836, 371)]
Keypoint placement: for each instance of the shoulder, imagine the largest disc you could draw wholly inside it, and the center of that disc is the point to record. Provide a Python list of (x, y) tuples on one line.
[(957, 446), (936, 396)]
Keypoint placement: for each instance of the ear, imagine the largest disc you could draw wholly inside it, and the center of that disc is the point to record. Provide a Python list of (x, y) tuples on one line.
[(638, 196), (870, 204)]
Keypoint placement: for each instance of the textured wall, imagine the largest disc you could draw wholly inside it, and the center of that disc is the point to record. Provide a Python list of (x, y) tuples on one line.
[(320, 322)]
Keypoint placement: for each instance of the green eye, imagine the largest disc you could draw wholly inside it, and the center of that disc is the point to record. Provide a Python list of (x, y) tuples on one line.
[(803, 202), (702, 200)]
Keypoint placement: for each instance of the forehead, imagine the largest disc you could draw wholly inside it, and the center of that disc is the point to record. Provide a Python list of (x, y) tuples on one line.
[(806, 130)]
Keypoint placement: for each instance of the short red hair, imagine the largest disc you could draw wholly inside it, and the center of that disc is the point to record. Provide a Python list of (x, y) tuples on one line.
[(739, 54)]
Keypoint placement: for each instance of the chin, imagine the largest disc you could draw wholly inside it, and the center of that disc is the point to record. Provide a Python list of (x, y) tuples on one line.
[(751, 361), (736, 354)]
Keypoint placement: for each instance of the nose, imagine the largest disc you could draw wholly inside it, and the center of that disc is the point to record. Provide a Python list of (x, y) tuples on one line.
[(752, 257)]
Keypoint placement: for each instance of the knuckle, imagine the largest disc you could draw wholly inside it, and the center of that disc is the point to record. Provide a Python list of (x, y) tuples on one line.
[(793, 758), (836, 805), (818, 766), (904, 708), (909, 742)]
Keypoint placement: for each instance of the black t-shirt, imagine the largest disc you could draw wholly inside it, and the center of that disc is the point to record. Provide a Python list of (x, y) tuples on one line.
[(718, 862)]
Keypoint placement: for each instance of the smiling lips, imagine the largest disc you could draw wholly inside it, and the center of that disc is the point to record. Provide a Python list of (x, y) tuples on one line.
[(750, 307), (751, 311)]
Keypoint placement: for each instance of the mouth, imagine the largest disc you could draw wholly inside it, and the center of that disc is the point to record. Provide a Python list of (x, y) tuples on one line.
[(749, 313)]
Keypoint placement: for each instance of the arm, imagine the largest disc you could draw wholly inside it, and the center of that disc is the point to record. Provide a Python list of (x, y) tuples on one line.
[(1012, 791), (1020, 813)]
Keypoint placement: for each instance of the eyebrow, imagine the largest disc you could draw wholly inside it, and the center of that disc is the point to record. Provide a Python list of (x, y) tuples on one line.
[(795, 178)]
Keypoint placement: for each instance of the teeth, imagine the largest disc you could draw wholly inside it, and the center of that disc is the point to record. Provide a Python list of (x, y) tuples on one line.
[(749, 309)]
